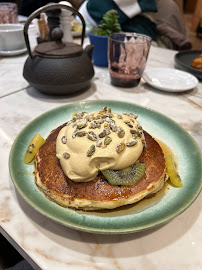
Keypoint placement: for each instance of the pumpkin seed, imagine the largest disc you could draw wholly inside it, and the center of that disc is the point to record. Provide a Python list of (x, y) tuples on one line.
[(66, 155), (92, 126), (91, 117), (119, 116), (91, 136), (74, 118), (79, 115), (129, 125), (107, 131), (113, 125), (99, 143), (100, 121), (131, 115), (143, 140), (141, 133), (81, 133), (98, 125), (132, 120), (120, 132), (74, 134), (107, 140), (106, 109), (64, 139), (103, 111), (102, 134), (107, 119), (91, 151), (106, 125), (81, 123), (87, 117), (134, 132), (132, 143), (134, 136), (127, 122), (120, 147)]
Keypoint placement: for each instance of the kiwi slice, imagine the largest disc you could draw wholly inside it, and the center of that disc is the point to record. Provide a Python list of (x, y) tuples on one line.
[(128, 176), (33, 148)]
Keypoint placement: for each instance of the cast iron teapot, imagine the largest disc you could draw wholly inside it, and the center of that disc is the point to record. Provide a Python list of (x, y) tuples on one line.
[(57, 67)]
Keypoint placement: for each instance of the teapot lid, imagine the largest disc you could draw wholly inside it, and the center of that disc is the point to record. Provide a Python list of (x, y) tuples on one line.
[(57, 48)]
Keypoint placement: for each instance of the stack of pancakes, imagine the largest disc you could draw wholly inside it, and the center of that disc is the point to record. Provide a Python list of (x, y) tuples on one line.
[(98, 193)]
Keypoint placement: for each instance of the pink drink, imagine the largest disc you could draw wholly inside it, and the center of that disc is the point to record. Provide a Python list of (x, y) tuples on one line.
[(127, 54), (122, 79), (8, 13)]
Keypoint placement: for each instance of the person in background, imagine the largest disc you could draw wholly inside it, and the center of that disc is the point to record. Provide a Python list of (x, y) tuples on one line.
[(27, 7), (159, 19), (170, 25), (132, 14)]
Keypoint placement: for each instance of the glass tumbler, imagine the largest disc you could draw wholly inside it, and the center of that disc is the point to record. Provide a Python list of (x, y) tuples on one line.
[(127, 57), (8, 13)]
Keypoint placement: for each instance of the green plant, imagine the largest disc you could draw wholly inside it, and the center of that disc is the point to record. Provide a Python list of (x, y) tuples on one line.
[(109, 24)]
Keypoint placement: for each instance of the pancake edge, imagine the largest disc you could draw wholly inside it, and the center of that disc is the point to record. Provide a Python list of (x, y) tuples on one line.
[(65, 200)]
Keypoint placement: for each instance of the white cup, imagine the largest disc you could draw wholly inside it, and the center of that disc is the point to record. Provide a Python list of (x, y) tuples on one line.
[(11, 37)]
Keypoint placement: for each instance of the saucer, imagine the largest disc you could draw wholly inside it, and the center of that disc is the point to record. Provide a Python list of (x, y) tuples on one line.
[(170, 80), (12, 53)]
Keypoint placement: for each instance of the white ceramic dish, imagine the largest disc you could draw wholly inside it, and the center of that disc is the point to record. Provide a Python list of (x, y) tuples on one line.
[(11, 37), (171, 80), (13, 53)]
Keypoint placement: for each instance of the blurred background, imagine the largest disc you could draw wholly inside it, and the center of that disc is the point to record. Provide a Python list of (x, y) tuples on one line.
[(191, 11)]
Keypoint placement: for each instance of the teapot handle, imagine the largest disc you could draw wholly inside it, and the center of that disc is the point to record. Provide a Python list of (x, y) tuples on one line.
[(45, 8)]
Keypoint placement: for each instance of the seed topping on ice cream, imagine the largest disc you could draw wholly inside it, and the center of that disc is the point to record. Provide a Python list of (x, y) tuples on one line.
[(96, 141)]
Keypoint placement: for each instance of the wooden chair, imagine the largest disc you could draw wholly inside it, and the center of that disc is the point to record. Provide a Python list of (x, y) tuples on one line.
[(197, 15)]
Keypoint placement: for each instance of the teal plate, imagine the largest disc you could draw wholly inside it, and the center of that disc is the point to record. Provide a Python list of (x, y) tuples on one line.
[(148, 213)]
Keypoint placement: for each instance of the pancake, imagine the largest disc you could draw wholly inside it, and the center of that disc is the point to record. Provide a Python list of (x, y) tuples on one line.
[(97, 194)]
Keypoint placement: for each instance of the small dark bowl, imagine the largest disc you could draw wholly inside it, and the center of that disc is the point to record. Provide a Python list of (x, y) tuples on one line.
[(184, 59)]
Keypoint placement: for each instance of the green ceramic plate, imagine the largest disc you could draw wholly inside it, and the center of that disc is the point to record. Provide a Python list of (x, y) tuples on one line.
[(148, 213)]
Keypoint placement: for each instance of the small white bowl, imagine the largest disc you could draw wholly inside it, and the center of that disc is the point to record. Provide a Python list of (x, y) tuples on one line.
[(11, 37)]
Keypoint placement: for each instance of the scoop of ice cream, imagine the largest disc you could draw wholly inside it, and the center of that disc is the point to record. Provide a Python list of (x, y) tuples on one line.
[(96, 141)]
